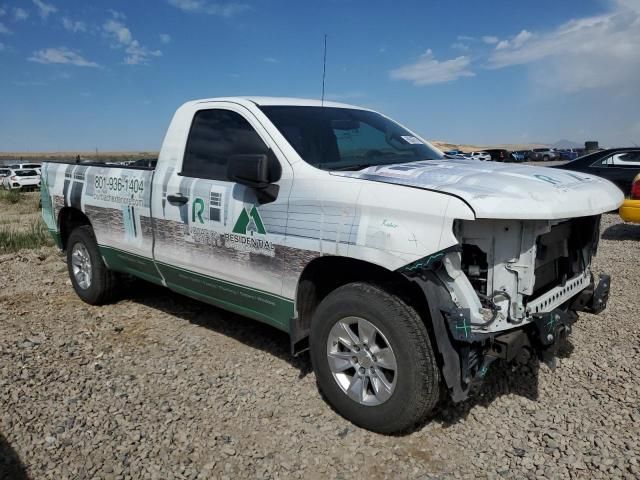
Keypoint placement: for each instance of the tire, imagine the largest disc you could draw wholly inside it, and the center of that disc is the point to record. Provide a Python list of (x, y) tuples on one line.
[(100, 287), (415, 381), (545, 158)]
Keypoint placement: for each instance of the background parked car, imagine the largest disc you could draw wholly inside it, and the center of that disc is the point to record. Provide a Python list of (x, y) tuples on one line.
[(499, 154), (27, 166), (542, 154), (518, 155), (3, 173), (478, 155), (567, 153), (619, 165), (453, 152), (630, 209), (23, 179), (145, 162)]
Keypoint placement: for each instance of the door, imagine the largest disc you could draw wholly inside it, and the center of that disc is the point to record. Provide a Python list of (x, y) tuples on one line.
[(213, 239)]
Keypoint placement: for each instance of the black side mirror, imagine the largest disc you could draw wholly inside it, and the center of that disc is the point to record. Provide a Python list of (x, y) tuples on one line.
[(249, 170), (258, 171)]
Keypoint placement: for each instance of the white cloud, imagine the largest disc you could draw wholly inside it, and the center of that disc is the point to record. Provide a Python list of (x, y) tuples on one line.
[(429, 71), (165, 38), (44, 9), (61, 55), (210, 8), (20, 14), (460, 46), (490, 39), (591, 52), (515, 42), (117, 15), (1, 46), (4, 29), (118, 31), (74, 26), (270, 59), (136, 54)]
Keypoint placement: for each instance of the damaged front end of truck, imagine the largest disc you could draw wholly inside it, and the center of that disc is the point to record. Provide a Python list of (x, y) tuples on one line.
[(509, 290)]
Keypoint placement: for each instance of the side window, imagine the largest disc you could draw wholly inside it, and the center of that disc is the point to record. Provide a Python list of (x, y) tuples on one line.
[(215, 135), (603, 162), (627, 159)]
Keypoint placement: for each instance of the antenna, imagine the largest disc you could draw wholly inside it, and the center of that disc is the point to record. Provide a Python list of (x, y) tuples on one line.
[(324, 68)]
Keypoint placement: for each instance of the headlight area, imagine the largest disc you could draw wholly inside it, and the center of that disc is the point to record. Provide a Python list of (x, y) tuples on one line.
[(509, 290), (519, 269)]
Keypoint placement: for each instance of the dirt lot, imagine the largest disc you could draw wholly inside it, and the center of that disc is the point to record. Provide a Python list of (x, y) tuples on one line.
[(160, 386)]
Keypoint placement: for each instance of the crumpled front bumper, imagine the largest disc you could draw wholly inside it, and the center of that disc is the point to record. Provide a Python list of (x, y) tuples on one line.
[(594, 298), (467, 353)]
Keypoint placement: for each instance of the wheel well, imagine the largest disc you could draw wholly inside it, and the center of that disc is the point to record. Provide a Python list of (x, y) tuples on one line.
[(68, 219), (324, 274)]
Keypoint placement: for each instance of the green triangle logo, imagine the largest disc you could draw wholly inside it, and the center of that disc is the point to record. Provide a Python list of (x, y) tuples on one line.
[(249, 223)]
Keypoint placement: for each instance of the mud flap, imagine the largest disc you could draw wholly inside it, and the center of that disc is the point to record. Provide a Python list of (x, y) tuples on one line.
[(438, 300)]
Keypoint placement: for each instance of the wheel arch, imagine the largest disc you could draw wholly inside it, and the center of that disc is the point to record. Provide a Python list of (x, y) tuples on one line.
[(324, 274), (70, 218)]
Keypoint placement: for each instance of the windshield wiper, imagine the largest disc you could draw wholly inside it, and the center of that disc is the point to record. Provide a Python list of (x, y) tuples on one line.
[(354, 167)]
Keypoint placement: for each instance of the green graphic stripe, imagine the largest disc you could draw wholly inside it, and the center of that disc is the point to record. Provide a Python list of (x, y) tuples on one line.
[(130, 263), (56, 237), (256, 304)]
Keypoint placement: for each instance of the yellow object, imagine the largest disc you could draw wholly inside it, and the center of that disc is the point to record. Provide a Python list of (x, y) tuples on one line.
[(630, 211)]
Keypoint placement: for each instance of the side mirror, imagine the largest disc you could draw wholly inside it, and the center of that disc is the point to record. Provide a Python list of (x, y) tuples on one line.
[(249, 170), (258, 171)]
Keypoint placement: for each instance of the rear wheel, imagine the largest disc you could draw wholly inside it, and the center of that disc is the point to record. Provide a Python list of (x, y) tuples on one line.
[(545, 158), (373, 359), (91, 279)]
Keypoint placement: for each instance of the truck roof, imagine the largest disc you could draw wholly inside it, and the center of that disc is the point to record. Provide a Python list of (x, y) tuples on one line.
[(274, 101)]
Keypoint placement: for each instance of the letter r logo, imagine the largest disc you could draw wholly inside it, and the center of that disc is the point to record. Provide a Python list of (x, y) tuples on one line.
[(197, 207)]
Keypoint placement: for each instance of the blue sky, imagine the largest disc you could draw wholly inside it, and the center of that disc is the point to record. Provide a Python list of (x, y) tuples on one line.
[(78, 75)]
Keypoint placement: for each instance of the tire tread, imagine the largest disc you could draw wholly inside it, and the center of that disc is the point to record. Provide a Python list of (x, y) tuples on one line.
[(104, 280), (427, 393)]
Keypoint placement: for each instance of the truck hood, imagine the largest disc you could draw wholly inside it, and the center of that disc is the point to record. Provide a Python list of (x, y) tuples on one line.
[(497, 190)]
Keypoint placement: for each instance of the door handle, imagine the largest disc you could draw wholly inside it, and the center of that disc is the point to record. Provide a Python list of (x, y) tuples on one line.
[(177, 199)]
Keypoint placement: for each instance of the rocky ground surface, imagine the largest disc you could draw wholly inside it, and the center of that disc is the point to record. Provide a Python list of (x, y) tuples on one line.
[(159, 386)]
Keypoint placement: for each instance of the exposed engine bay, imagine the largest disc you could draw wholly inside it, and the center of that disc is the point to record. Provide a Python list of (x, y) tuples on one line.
[(509, 270), (510, 290)]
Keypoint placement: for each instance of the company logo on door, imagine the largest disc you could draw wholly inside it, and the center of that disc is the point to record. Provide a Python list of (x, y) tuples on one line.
[(249, 234)]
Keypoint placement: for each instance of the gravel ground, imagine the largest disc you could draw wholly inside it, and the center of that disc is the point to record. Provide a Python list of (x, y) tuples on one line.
[(159, 386)]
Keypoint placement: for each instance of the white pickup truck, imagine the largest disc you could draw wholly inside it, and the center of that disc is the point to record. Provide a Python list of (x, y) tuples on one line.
[(404, 273)]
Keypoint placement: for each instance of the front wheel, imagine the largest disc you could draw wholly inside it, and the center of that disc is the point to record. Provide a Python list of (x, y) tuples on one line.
[(373, 359), (91, 279)]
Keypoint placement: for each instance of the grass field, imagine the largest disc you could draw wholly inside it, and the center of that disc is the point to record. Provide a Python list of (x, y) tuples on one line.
[(21, 225)]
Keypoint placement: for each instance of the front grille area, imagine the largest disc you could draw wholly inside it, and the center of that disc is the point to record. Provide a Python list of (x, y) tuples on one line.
[(560, 253)]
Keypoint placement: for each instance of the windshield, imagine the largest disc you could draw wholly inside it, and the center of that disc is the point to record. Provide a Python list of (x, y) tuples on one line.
[(346, 139)]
